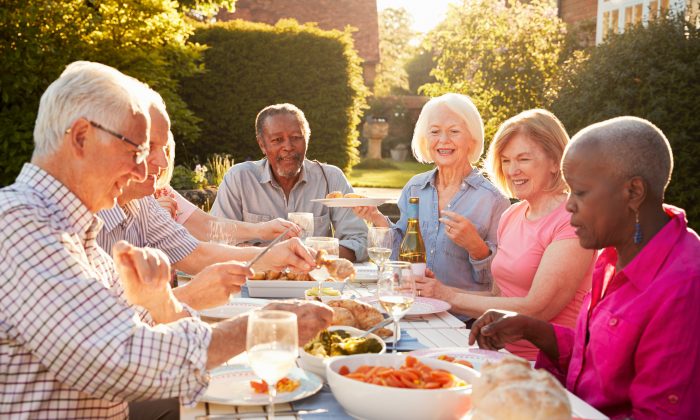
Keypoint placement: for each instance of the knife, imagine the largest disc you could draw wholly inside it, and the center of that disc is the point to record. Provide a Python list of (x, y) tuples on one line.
[(267, 248), (378, 326), (260, 415)]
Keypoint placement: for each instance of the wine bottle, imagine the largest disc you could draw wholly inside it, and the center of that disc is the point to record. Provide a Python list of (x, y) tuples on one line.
[(412, 247)]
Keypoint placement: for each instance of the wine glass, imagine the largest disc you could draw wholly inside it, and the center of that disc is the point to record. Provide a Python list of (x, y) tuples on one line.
[(380, 241), (305, 222), (272, 344), (330, 245), (396, 290), (222, 231)]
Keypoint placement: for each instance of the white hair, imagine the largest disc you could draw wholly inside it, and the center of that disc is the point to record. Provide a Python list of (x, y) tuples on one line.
[(156, 101), (86, 90), (460, 105)]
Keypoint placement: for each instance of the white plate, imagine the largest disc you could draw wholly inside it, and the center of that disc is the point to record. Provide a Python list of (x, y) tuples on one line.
[(475, 356), (351, 202), (231, 385), (421, 305), (235, 306), (286, 288)]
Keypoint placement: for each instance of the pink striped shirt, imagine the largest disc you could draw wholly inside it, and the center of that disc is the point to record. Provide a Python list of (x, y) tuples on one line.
[(636, 354)]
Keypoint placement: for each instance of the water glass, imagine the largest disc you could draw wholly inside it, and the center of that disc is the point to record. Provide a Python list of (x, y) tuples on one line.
[(396, 291), (305, 221), (222, 231), (272, 343)]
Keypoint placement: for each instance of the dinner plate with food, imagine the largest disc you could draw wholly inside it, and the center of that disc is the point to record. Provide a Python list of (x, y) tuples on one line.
[(470, 357), (421, 305), (238, 385), (338, 199)]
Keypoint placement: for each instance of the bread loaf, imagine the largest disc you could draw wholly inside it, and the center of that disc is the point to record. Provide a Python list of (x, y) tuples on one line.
[(511, 389)]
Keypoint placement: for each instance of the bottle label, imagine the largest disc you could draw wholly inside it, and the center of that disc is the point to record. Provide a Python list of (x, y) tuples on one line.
[(412, 211), (418, 269)]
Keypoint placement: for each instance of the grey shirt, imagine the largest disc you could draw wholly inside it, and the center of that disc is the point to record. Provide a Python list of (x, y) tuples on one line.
[(250, 193)]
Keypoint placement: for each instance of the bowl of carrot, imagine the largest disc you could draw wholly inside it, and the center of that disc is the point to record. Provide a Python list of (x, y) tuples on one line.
[(398, 386)]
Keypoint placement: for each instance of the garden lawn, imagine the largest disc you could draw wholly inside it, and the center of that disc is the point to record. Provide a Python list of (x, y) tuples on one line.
[(387, 178)]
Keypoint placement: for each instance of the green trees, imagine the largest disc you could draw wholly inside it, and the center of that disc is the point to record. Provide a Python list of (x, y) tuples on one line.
[(651, 72), (251, 65), (146, 40), (395, 34), (503, 57)]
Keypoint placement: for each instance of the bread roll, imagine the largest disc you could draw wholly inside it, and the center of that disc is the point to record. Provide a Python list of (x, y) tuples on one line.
[(511, 389), (335, 194)]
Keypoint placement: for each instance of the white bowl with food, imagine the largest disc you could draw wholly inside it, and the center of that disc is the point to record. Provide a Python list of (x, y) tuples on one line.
[(327, 294), (315, 355), (377, 402)]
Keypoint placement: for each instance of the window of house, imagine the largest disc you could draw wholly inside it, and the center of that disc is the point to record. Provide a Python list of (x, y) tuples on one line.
[(638, 11), (653, 9), (628, 16), (615, 21)]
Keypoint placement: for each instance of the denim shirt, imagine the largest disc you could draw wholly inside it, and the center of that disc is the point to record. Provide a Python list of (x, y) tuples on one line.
[(479, 201)]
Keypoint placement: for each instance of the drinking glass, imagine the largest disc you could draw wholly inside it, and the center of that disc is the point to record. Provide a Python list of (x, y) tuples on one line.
[(396, 290), (380, 241), (305, 221), (222, 231), (330, 245), (272, 344)]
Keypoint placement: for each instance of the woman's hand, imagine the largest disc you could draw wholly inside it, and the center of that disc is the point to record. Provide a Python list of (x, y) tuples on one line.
[(463, 232), (429, 286), (169, 204), (290, 253), (272, 229), (371, 214)]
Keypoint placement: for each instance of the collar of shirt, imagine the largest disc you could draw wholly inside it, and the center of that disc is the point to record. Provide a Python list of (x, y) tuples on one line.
[(75, 215), (118, 215), (267, 176), (644, 267), (473, 179)]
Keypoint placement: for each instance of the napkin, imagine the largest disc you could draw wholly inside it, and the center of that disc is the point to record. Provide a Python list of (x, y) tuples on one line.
[(323, 399), (406, 343)]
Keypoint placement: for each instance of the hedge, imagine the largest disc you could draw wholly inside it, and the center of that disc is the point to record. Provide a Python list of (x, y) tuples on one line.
[(651, 72), (252, 65)]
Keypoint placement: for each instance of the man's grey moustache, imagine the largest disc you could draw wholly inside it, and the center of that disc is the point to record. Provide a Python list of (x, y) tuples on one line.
[(295, 157)]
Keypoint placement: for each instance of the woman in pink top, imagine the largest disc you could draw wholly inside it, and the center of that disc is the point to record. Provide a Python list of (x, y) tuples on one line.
[(634, 350), (197, 221), (539, 267)]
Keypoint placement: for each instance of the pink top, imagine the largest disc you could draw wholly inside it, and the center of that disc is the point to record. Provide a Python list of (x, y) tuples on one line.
[(641, 356), (521, 245), (184, 207)]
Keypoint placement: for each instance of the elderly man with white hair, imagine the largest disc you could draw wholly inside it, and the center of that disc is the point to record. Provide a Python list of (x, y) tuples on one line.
[(459, 209), (82, 334), (141, 221)]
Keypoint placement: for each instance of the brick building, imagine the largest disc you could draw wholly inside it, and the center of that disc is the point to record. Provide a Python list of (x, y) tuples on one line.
[(328, 14)]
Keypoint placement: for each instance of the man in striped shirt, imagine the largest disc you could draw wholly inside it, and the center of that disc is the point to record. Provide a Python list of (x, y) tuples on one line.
[(139, 220), (79, 335)]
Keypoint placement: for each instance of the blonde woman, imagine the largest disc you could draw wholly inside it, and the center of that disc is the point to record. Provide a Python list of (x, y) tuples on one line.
[(197, 221), (459, 208), (540, 268)]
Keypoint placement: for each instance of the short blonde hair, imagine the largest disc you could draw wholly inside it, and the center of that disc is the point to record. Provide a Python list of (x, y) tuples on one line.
[(460, 105), (166, 175), (544, 129)]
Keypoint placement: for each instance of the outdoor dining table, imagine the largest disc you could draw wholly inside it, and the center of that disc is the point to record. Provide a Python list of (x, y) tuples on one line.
[(431, 331)]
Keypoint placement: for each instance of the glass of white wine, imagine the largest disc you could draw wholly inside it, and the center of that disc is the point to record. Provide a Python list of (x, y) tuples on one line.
[(272, 344), (396, 290), (380, 241)]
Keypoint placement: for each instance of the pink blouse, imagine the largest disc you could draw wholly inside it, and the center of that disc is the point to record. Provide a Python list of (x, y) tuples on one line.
[(635, 350), (521, 245)]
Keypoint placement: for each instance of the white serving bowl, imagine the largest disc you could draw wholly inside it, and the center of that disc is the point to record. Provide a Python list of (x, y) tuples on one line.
[(317, 364), (374, 402), (324, 297)]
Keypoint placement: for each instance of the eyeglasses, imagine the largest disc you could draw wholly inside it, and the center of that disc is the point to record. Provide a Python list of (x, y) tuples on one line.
[(141, 149)]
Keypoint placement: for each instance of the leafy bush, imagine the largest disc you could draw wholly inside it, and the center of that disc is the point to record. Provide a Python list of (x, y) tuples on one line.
[(252, 65), (504, 55), (146, 40), (183, 179), (375, 164), (651, 72)]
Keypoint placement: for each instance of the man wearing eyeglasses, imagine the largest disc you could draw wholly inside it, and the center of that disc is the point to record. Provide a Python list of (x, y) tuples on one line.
[(82, 333), (139, 220)]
